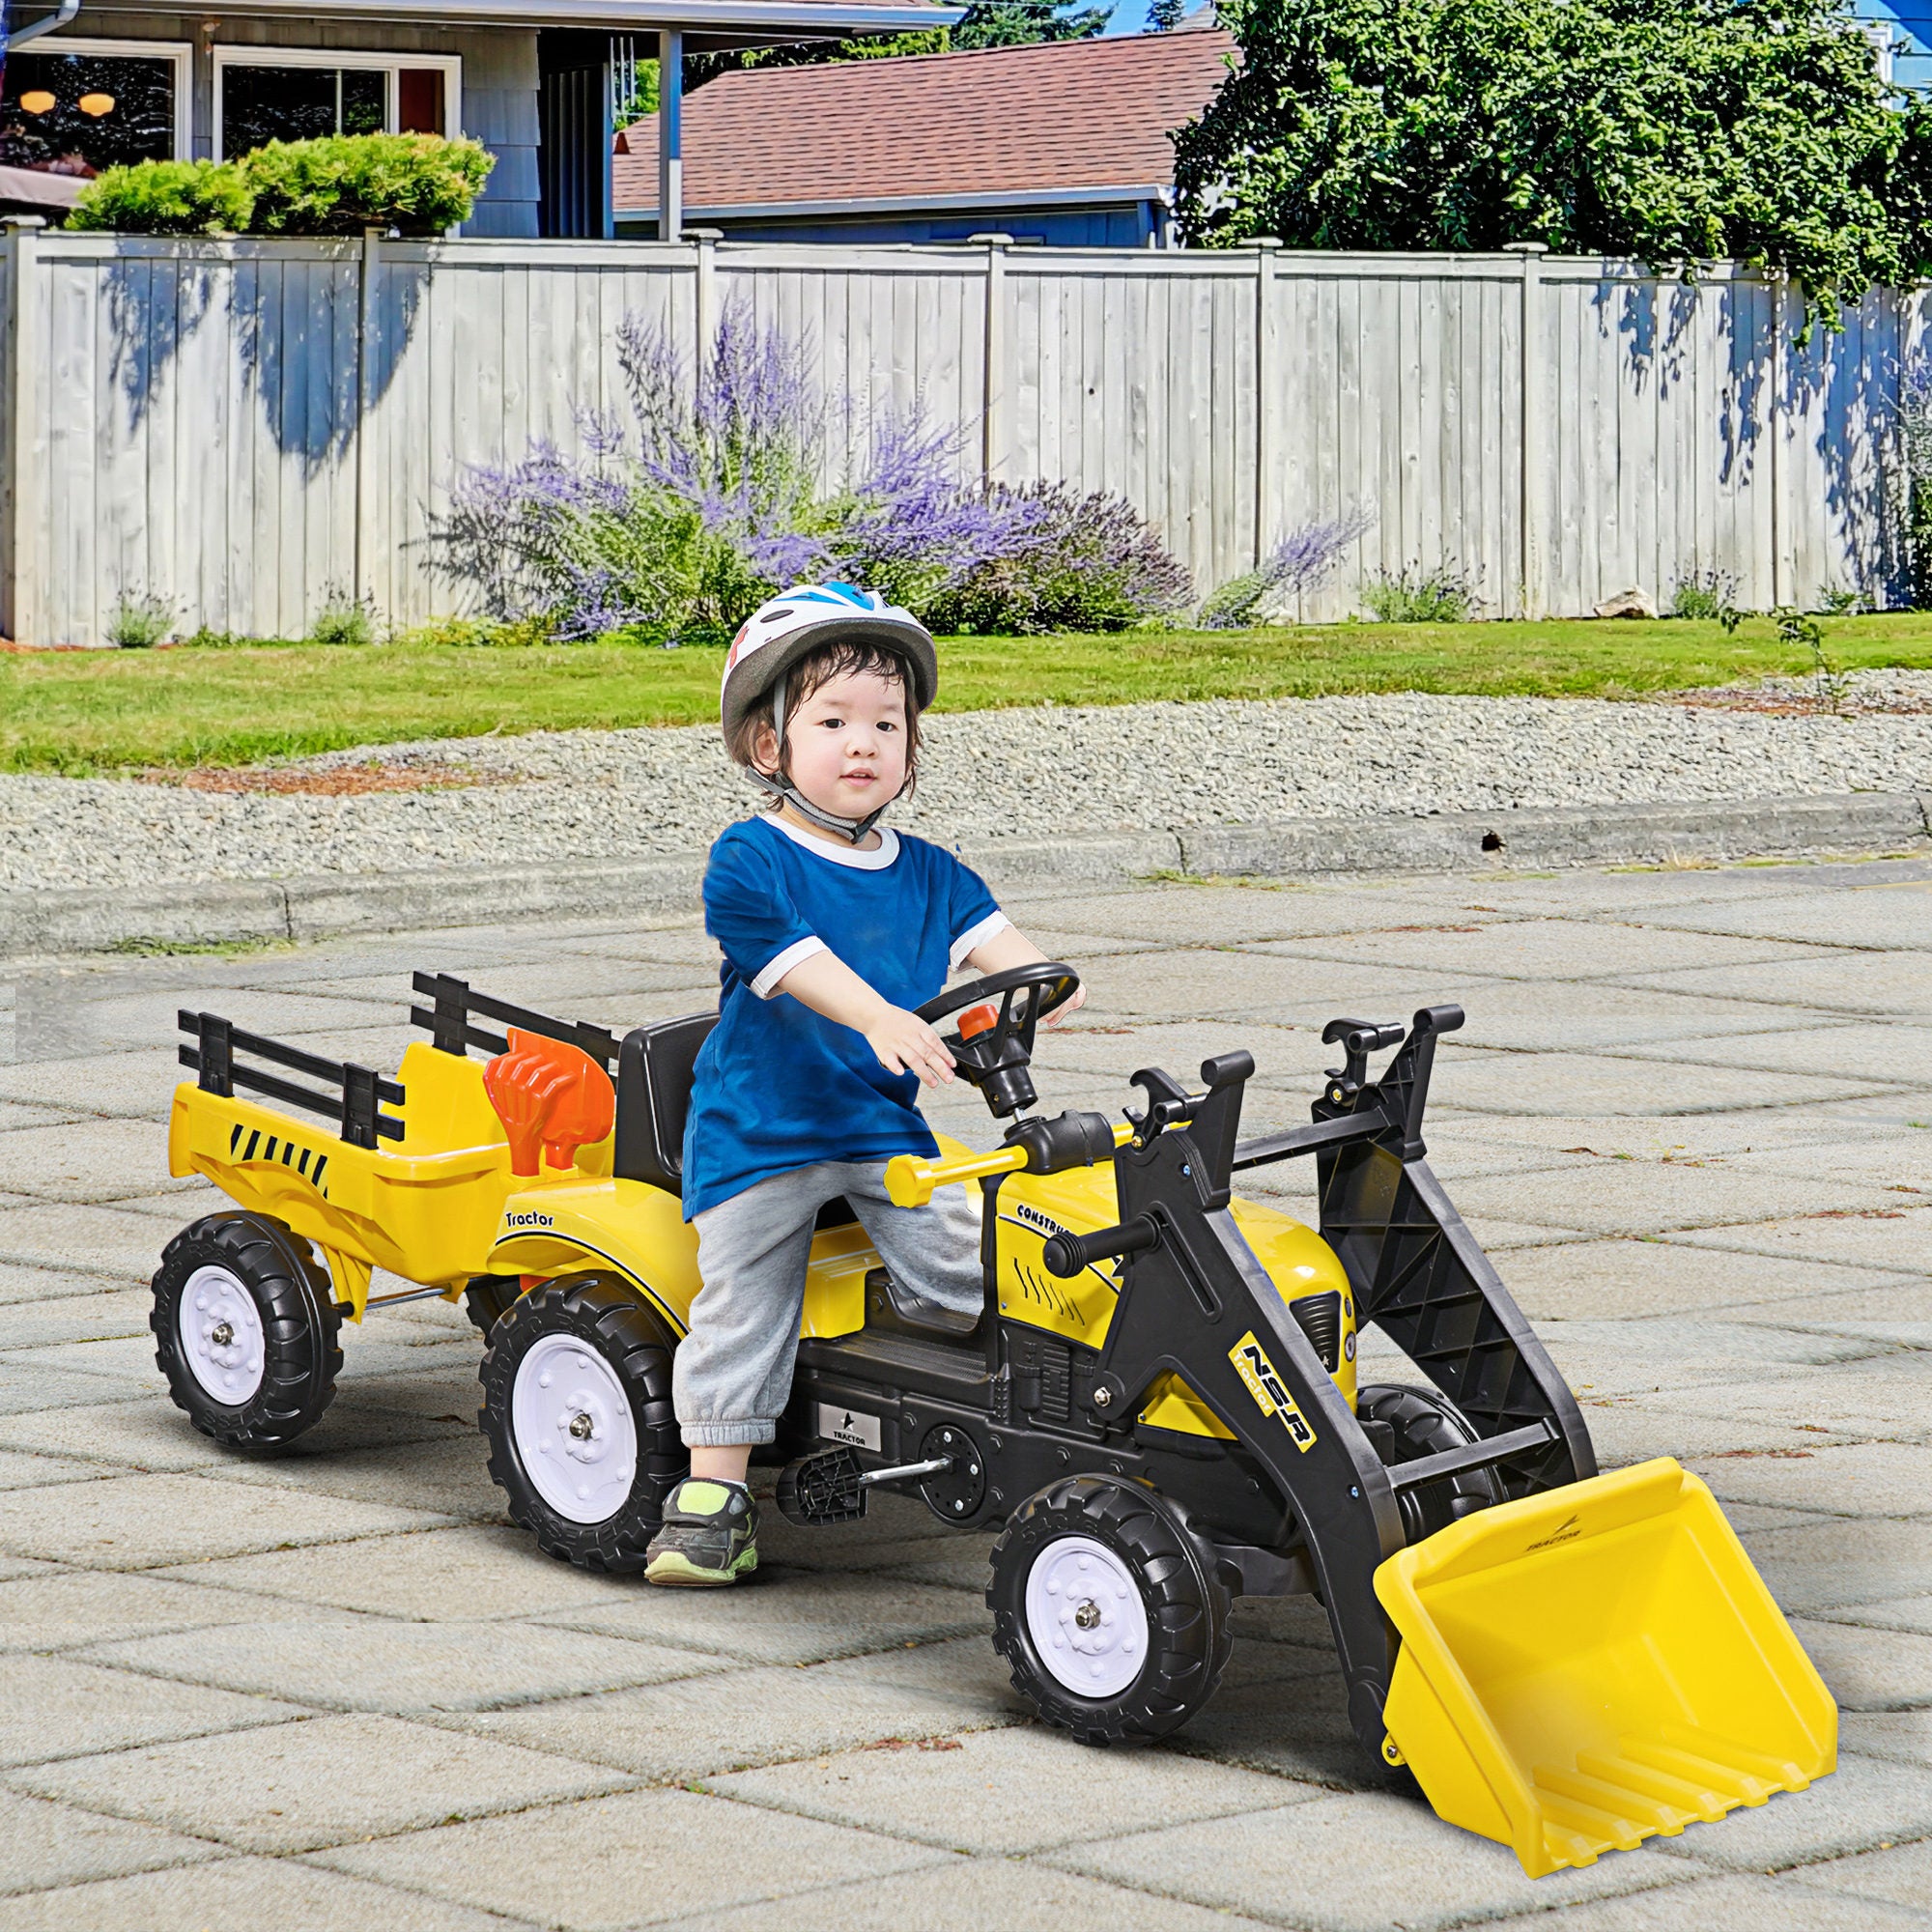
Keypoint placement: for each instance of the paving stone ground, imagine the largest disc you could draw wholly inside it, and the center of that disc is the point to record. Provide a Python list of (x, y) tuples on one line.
[(1690, 1114)]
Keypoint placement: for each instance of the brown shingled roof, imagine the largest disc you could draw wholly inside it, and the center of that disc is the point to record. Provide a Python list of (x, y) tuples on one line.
[(999, 121)]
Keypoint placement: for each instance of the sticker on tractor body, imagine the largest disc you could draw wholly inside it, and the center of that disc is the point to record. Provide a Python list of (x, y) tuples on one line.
[(849, 1426), (1269, 1391)]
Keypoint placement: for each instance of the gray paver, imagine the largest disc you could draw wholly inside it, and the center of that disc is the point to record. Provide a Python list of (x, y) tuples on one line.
[(798, 1618), (65, 1611), (1012, 1791), (52, 1707), (43, 1845), (1901, 1874), (1869, 1669), (150, 1434), (1358, 1862), (293, 1787), (1756, 1903), (1747, 1291), (633, 1860), (143, 1521), (1862, 1803), (698, 1728), (247, 1894), (342, 1662), (1651, 1276), (1012, 1895), (1859, 1479)]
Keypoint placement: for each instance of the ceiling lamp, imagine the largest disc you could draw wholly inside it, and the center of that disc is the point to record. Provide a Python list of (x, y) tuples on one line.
[(38, 102), (96, 104)]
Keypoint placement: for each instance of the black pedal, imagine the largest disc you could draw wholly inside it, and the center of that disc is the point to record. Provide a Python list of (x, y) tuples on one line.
[(818, 1491)]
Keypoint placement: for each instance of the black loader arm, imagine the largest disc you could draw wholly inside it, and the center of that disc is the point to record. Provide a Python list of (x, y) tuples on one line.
[(1416, 1269), (1194, 1300)]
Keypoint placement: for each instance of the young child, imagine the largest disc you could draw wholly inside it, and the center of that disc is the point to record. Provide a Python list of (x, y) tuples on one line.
[(832, 931)]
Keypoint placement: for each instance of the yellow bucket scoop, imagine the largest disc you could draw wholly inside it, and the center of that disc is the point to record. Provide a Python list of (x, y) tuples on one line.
[(1594, 1666)]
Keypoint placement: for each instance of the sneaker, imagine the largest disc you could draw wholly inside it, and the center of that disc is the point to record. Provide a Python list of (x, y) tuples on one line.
[(709, 1535)]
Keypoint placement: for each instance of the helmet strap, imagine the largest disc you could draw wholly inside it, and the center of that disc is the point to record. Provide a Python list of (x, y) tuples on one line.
[(782, 788)]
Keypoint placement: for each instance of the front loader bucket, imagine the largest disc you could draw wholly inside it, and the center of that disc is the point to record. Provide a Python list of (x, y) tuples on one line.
[(1593, 1664)]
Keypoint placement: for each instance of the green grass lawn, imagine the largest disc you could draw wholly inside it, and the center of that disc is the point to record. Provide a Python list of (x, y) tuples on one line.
[(98, 711)]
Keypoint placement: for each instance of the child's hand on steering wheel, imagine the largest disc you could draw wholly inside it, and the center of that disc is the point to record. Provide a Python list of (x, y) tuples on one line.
[(906, 1044), (1067, 1008)]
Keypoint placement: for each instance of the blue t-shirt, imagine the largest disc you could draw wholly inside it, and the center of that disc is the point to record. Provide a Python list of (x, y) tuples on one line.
[(778, 1086)]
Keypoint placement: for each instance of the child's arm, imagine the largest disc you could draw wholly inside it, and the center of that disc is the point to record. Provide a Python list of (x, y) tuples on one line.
[(903, 1041), (1009, 947)]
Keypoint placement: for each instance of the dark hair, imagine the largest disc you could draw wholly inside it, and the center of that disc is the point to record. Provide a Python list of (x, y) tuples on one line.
[(816, 670)]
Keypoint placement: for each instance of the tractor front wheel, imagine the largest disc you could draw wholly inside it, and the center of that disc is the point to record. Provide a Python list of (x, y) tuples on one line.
[(1105, 1606), (246, 1329), (576, 1409), (1425, 1422)]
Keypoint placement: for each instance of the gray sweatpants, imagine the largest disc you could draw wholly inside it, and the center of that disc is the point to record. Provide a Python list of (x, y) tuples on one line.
[(731, 1374)]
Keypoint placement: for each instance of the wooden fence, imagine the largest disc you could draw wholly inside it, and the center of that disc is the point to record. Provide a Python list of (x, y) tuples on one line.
[(246, 430)]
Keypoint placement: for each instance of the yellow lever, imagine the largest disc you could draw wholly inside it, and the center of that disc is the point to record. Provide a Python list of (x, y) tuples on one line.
[(911, 1178)]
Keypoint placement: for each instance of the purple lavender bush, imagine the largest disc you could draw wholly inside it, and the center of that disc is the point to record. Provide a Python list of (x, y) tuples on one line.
[(1296, 565), (674, 525), (1067, 563)]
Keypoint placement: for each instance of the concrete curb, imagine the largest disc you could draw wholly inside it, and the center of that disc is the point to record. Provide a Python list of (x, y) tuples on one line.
[(91, 920)]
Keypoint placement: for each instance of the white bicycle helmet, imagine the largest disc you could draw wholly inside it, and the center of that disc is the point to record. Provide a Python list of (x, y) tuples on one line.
[(807, 618)]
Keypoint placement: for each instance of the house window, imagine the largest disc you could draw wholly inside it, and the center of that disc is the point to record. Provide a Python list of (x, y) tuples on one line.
[(74, 107), (290, 94)]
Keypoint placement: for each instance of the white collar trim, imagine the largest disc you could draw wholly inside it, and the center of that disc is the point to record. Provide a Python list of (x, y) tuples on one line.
[(875, 860)]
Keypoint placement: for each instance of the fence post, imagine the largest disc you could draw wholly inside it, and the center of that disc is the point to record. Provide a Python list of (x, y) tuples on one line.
[(705, 292), (1780, 586), (19, 618), (1533, 476), (365, 329), (1266, 364), (993, 391)]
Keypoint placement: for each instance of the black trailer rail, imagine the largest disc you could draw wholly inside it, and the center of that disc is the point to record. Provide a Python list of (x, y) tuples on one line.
[(451, 1028), (356, 1096)]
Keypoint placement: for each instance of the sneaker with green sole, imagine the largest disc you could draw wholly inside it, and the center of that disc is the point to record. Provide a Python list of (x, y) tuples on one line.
[(710, 1536)]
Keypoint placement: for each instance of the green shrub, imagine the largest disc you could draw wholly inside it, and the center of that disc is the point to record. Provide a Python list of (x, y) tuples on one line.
[(343, 620), (139, 622), (1414, 596), (346, 182), (167, 198), (419, 183), (1707, 595)]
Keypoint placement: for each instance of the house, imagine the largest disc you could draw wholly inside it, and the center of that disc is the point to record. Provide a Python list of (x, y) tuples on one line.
[(528, 78), (1063, 142)]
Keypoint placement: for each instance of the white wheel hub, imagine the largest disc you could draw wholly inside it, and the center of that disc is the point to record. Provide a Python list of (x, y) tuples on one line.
[(573, 1428), (221, 1336), (1085, 1616)]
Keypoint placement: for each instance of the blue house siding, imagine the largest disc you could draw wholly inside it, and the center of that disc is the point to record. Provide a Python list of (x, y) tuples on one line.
[(1912, 22)]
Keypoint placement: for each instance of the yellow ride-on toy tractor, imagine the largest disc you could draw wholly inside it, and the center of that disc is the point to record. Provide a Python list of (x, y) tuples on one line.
[(1157, 1405)]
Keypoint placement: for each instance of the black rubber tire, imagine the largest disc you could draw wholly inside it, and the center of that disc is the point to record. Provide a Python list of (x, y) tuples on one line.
[(1186, 1608), (605, 1314), (1426, 1422), (300, 1327), (488, 1297)]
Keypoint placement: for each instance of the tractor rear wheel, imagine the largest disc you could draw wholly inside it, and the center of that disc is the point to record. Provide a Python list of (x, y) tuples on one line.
[(1110, 1613), (1425, 1422), (577, 1410), (246, 1329)]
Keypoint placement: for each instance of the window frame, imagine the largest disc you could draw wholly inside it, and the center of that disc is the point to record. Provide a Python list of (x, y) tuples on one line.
[(363, 59), (179, 55)]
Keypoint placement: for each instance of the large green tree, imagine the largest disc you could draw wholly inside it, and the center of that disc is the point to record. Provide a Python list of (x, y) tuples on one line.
[(1670, 130)]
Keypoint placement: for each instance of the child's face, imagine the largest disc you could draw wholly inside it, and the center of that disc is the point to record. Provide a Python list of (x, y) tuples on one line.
[(847, 743)]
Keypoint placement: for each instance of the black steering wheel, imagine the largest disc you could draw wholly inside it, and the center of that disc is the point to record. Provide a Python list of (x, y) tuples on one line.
[(994, 1054)]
